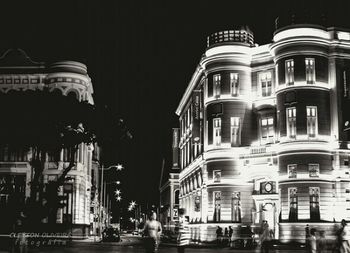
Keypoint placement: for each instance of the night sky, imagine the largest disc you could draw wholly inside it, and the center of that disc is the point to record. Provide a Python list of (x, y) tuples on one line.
[(140, 56)]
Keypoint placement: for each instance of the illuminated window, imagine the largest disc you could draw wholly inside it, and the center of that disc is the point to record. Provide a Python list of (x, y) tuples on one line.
[(235, 131), (291, 122), (314, 170), (292, 170), (217, 206), (289, 72), (293, 204), (314, 193), (217, 176), (234, 84), (236, 207), (266, 84), (311, 115), (267, 129), (216, 86), (217, 131), (310, 70)]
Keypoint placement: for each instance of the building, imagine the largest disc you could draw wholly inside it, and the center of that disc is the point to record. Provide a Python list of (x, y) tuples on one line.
[(68, 78), (261, 132), (169, 187)]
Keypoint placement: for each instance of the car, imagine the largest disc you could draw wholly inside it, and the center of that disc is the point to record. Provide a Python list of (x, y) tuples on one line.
[(135, 232), (110, 234)]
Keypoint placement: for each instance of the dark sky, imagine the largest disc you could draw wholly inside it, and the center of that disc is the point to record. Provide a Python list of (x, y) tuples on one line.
[(141, 55)]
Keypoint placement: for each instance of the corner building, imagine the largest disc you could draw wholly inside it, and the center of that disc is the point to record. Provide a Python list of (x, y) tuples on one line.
[(262, 133)]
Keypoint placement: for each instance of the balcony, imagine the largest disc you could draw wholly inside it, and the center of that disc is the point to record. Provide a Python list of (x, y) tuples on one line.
[(240, 36)]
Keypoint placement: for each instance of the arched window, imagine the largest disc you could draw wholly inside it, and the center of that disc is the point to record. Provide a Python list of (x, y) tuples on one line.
[(73, 95)]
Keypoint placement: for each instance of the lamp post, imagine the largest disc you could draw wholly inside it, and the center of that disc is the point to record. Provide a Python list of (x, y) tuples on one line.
[(103, 191)]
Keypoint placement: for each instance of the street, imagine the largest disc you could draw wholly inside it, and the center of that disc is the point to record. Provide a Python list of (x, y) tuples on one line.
[(133, 244)]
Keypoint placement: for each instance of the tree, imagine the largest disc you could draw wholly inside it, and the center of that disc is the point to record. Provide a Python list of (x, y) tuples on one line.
[(42, 123)]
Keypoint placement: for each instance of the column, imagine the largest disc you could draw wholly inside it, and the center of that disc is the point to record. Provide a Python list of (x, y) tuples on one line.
[(204, 209)]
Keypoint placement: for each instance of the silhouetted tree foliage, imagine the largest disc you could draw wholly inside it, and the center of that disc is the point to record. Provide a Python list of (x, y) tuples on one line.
[(43, 123)]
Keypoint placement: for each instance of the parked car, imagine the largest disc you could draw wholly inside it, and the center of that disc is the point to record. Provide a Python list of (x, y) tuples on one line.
[(110, 234)]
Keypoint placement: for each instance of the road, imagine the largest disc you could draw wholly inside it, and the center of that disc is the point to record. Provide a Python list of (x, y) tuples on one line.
[(132, 244)]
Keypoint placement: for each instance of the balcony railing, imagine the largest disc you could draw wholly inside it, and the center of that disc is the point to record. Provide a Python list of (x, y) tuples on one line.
[(241, 36)]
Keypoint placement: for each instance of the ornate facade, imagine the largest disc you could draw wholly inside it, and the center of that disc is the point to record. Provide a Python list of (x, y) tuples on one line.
[(261, 132)]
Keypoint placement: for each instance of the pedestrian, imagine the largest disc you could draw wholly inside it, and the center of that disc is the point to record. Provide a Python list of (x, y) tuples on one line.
[(344, 237), (312, 241), (265, 237), (218, 235), (322, 243), (230, 233), (152, 230), (226, 236), (307, 236), (184, 236)]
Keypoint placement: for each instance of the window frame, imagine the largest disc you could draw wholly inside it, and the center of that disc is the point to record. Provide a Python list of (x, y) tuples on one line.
[(310, 70), (289, 71), (317, 170), (263, 78), (235, 128), (217, 140), (234, 84), (289, 119), (267, 128), (216, 85), (311, 119), (295, 172), (214, 178)]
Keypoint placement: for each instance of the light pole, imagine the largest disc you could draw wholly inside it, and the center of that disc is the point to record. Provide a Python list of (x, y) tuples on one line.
[(103, 191)]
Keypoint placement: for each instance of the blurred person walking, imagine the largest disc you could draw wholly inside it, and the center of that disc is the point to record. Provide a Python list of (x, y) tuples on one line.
[(152, 231), (344, 237), (184, 236), (266, 237), (313, 241)]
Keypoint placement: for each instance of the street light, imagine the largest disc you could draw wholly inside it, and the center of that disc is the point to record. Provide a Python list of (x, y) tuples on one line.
[(103, 191)]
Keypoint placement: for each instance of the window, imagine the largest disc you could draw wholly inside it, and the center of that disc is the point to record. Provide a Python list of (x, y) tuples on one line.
[(234, 84), (310, 70), (293, 204), (266, 84), (311, 115), (235, 131), (292, 170), (216, 86), (289, 72), (236, 207), (314, 170), (217, 176), (314, 193), (217, 206), (291, 122), (217, 131), (267, 129)]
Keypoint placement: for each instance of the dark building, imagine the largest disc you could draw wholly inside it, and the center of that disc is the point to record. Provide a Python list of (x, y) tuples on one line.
[(169, 187), (18, 73)]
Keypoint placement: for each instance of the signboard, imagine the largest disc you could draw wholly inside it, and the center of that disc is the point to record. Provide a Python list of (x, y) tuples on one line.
[(175, 212), (176, 137), (196, 95)]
